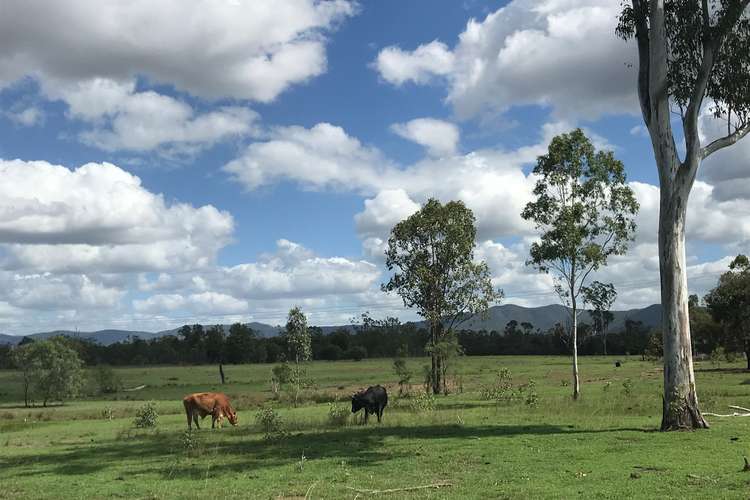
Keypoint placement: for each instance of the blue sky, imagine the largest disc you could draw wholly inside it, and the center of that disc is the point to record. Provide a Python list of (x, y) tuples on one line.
[(254, 156)]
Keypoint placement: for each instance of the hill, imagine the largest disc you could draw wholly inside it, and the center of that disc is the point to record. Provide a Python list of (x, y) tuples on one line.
[(544, 318)]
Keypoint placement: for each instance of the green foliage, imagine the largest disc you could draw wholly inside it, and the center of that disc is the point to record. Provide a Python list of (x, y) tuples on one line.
[(357, 353), (431, 254), (282, 373), (146, 417), (422, 402), (270, 423), (50, 369), (403, 374), (297, 336), (108, 413), (584, 209), (723, 29), (655, 348), (627, 387), (107, 381), (530, 393), (729, 304), (338, 414), (191, 443), (501, 389)]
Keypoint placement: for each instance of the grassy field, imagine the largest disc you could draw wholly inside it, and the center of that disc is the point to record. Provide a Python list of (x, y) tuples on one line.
[(603, 446)]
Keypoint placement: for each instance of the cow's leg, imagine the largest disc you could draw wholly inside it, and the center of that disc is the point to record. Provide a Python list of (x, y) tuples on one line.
[(367, 414), (380, 413), (195, 419), (189, 417)]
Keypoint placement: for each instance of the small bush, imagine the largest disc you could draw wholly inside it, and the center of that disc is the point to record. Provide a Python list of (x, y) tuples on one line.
[(146, 416), (108, 413), (501, 389), (338, 414), (357, 353), (627, 387), (190, 442), (270, 423), (282, 373), (107, 380), (422, 402), (532, 398), (607, 385)]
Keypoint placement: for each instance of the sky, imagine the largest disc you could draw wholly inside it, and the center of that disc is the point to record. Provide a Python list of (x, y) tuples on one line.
[(188, 161)]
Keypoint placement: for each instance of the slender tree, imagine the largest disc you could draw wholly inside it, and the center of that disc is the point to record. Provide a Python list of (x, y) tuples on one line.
[(729, 304), (300, 347), (432, 254), (693, 57), (585, 211), (601, 296)]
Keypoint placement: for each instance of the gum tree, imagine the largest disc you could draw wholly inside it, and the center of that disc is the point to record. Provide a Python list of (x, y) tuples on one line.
[(729, 304), (601, 296), (585, 211), (432, 254), (692, 59)]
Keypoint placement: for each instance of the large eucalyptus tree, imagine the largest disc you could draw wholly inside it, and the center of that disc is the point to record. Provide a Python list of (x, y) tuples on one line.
[(693, 59)]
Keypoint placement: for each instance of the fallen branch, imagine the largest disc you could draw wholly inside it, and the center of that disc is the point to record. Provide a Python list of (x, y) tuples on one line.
[(733, 414), (441, 484), (135, 388)]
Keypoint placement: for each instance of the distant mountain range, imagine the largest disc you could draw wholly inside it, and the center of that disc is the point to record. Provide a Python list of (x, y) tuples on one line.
[(543, 318)]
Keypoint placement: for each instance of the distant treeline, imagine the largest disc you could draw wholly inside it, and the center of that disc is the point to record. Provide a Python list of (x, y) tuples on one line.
[(371, 338)]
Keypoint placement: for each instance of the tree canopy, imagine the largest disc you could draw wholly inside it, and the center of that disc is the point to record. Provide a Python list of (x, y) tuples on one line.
[(431, 254), (585, 212)]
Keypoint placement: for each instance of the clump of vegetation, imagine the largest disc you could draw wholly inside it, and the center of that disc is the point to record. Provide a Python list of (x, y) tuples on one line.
[(146, 416), (270, 423), (107, 381), (108, 413), (501, 389), (338, 414), (422, 402), (627, 387), (51, 370), (190, 442), (280, 375), (403, 374), (529, 390)]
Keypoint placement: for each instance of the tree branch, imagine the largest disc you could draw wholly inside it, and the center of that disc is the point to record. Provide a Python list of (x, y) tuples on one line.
[(725, 141), (641, 36)]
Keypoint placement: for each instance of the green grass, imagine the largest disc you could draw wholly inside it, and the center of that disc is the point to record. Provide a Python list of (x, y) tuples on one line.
[(604, 446)]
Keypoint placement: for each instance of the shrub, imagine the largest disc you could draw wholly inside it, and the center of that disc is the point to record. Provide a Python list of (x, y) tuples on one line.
[(627, 387), (108, 413), (403, 373), (532, 398), (357, 353), (107, 380), (338, 414), (270, 423), (190, 442), (282, 373), (422, 402), (501, 389), (146, 416)]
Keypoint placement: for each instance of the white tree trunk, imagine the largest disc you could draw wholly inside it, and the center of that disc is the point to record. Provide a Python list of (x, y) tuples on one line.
[(681, 409), (576, 380)]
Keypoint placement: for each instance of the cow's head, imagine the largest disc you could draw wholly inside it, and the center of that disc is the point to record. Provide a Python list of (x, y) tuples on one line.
[(231, 416), (357, 402)]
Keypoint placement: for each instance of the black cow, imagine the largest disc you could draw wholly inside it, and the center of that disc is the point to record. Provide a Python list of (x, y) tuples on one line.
[(373, 400)]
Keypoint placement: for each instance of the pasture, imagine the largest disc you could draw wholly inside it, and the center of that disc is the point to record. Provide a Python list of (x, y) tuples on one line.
[(603, 446)]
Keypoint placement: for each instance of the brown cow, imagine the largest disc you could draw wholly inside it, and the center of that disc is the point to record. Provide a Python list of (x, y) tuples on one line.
[(215, 404)]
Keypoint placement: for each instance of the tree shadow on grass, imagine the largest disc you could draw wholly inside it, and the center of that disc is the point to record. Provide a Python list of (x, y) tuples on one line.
[(163, 453), (743, 371)]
